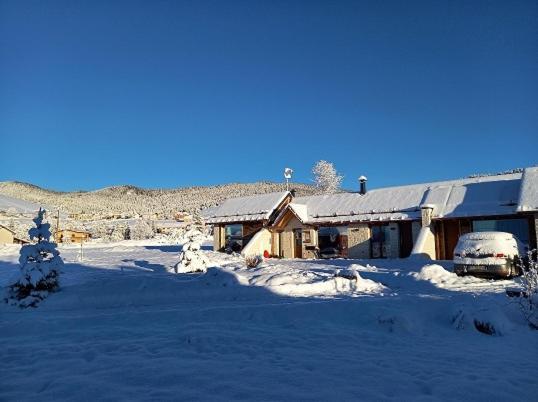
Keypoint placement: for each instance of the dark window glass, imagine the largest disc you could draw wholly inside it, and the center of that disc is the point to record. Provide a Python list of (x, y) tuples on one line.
[(518, 227), (332, 240), (233, 237)]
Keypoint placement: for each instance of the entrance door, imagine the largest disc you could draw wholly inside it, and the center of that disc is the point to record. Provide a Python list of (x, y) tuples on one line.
[(298, 243), (452, 234), (406, 239)]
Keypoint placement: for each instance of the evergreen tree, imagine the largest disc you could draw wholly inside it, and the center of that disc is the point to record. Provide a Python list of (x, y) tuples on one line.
[(191, 258), (40, 267)]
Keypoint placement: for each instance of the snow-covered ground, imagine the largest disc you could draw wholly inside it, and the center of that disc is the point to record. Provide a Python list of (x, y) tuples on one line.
[(123, 328)]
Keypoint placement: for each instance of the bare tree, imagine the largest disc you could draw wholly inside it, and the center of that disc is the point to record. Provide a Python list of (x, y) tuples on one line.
[(326, 177)]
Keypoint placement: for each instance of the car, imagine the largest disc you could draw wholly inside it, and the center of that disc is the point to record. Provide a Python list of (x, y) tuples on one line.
[(329, 252), (488, 254)]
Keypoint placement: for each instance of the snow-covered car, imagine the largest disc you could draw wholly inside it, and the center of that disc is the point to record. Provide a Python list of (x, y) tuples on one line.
[(329, 252), (488, 254)]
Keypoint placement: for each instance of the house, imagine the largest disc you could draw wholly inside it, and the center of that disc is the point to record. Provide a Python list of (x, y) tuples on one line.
[(238, 220), (395, 222), (72, 236), (7, 236)]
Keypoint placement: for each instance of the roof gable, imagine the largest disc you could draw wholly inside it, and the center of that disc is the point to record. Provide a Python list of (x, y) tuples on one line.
[(252, 208)]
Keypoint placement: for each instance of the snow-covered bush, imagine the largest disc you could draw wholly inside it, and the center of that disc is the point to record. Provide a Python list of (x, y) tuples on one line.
[(529, 281), (118, 233), (252, 261), (326, 177), (142, 230), (191, 258), (40, 267)]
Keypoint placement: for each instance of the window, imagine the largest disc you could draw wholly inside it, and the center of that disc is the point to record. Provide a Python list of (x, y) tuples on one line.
[(518, 227), (233, 237), (380, 241), (332, 241)]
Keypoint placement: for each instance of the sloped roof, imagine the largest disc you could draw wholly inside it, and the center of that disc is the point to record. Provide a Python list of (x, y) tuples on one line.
[(6, 228), (244, 209), (479, 196)]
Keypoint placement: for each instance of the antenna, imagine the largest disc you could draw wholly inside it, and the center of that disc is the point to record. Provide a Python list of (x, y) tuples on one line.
[(288, 172)]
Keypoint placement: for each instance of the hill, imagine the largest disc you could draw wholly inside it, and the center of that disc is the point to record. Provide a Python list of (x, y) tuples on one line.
[(130, 201)]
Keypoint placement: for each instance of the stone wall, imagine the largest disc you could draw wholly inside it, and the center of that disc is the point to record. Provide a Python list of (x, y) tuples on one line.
[(312, 243), (394, 241), (218, 237), (358, 241)]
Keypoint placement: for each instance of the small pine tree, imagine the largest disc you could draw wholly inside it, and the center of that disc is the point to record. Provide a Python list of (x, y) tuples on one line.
[(191, 258), (40, 267), (326, 177), (529, 282)]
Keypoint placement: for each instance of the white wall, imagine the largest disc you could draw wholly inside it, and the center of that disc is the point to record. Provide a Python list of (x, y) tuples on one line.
[(260, 242)]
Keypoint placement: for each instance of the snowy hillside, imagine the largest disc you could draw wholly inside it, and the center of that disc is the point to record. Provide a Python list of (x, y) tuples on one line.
[(130, 201), (123, 328)]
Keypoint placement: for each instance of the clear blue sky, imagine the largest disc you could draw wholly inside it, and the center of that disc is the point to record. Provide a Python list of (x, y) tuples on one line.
[(171, 93)]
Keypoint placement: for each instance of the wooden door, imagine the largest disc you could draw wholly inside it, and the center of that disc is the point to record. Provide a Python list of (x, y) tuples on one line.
[(452, 234), (406, 239), (342, 245), (298, 243)]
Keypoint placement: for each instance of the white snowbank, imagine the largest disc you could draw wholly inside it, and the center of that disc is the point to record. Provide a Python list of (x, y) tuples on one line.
[(123, 328)]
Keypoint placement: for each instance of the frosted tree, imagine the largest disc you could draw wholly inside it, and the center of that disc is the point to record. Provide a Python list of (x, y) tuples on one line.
[(326, 177), (529, 282), (40, 267), (141, 230), (191, 258)]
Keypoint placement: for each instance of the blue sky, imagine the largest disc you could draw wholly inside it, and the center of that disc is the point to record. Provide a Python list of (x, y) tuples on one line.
[(171, 93)]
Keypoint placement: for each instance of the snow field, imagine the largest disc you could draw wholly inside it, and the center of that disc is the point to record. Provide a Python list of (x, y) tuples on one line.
[(123, 328)]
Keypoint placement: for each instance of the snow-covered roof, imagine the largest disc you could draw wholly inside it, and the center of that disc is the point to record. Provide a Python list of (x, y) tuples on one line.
[(244, 209), (13, 205), (528, 197), (478, 196)]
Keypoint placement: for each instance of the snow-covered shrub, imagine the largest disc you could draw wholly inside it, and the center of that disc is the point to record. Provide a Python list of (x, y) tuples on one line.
[(191, 258), (40, 267), (252, 261), (529, 280), (118, 233), (326, 177), (142, 230)]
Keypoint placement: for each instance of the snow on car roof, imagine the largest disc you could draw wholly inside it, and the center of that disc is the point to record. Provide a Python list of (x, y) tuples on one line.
[(251, 208), (487, 236)]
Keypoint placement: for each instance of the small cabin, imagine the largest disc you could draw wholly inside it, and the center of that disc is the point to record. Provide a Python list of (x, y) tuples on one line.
[(72, 236), (7, 236)]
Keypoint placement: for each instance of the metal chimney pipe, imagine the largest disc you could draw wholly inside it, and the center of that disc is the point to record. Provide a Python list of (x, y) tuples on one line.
[(362, 182)]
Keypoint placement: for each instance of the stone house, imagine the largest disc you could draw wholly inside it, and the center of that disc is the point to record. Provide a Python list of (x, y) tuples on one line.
[(395, 222), (72, 236)]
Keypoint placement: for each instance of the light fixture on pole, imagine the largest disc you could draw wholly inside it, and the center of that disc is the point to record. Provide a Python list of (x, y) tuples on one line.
[(287, 175)]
